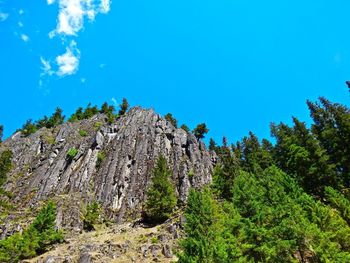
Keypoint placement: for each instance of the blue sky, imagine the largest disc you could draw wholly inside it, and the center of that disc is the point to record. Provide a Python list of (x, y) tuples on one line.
[(235, 64)]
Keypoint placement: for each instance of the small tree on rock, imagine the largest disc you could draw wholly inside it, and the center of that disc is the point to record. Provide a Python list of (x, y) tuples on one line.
[(200, 131), (169, 117), (161, 199), (123, 107)]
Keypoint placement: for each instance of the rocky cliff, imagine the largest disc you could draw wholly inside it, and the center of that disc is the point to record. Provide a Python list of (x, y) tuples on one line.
[(112, 165)]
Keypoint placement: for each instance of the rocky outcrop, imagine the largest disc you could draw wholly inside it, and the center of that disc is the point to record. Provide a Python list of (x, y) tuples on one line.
[(113, 163)]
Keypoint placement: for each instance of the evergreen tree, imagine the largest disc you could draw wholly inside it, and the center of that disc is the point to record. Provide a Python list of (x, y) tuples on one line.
[(56, 119), (161, 199), (169, 117), (5, 165), (203, 227), (212, 145), (332, 129), (34, 240), (200, 131), (29, 128), (123, 107), (185, 128)]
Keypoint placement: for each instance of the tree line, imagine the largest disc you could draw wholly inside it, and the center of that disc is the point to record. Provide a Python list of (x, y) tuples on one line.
[(287, 201)]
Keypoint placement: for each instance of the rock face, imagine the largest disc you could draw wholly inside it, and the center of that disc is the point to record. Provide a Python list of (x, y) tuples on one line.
[(113, 163)]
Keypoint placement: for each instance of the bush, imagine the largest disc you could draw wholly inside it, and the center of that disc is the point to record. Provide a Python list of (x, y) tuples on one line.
[(82, 133), (72, 152), (91, 216), (100, 157), (161, 199), (97, 125), (39, 236)]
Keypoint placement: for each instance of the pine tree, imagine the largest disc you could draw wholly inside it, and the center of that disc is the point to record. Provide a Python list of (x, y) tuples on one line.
[(185, 128), (5, 165), (161, 199), (169, 117), (123, 107), (200, 131), (203, 241)]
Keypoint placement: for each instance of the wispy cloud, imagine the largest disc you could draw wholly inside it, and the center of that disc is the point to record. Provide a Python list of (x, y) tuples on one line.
[(46, 67), (68, 63), (3, 16), (25, 37), (114, 102)]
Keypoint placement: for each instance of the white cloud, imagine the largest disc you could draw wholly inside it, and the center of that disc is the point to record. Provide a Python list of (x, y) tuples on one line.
[(105, 6), (46, 67), (114, 102), (70, 20), (20, 24), (73, 12), (3, 16), (83, 80), (21, 12), (24, 37), (68, 63)]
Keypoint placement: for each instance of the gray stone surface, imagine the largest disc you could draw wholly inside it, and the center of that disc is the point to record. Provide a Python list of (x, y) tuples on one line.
[(131, 146)]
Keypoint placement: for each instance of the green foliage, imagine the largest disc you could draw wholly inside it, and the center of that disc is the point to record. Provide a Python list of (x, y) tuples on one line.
[(200, 131), (97, 125), (185, 128), (169, 117), (36, 239), (91, 215), (332, 129), (154, 240), (204, 229), (83, 133), (161, 199), (100, 157), (269, 219), (29, 128), (5, 165), (340, 202), (72, 152), (300, 154), (123, 107)]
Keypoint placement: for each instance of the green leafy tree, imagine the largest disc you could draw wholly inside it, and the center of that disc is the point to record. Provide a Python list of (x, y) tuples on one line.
[(200, 131), (169, 117), (78, 115), (300, 154), (29, 128), (203, 241), (332, 129), (36, 239), (161, 199), (123, 107), (91, 215), (212, 145)]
